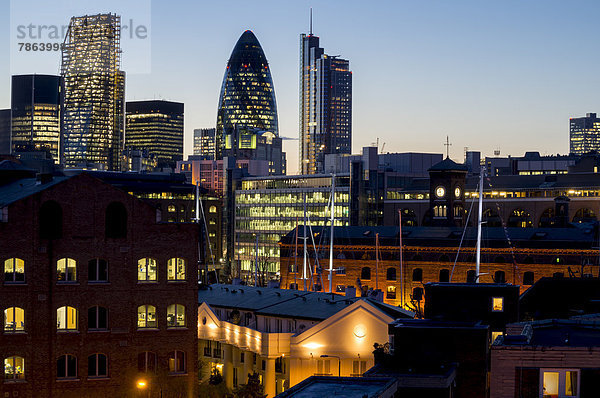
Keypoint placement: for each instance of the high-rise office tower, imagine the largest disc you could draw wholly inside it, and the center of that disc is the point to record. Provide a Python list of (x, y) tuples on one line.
[(204, 143), (4, 131), (93, 93), (325, 105), (35, 114), (247, 94), (156, 126), (584, 134)]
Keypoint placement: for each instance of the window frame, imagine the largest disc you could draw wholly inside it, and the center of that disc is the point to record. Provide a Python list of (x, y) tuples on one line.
[(65, 329), (170, 265), (67, 261), (147, 357), (147, 265), (493, 306), (173, 355), (562, 374), (97, 319), (96, 262), (66, 369), (14, 330), (97, 362), (146, 310), (14, 280), (177, 308), (15, 377)]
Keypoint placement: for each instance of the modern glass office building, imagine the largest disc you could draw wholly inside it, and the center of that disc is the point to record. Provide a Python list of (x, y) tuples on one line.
[(270, 207), (584, 134), (4, 131), (325, 105), (35, 114), (93, 93), (247, 94), (204, 143), (156, 126)]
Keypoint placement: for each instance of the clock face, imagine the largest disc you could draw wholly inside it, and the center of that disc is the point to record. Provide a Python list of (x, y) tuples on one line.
[(440, 192), (457, 192)]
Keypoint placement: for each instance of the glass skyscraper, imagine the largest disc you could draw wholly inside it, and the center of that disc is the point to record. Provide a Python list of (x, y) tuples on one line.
[(204, 143), (247, 94), (35, 108), (325, 105), (93, 93), (584, 134), (156, 126)]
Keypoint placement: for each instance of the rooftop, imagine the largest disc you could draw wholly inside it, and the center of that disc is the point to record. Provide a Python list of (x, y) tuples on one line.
[(287, 303), (348, 387), (555, 333)]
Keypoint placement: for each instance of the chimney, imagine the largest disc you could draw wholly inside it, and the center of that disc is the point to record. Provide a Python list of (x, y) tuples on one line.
[(350, 292)]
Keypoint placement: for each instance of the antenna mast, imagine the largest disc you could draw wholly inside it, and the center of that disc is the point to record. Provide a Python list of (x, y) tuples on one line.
[(310, 31)]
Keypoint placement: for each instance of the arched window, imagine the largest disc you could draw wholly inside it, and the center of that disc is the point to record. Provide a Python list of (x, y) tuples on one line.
[(391, 274), (147, 317), (444, 275), (147, 362), (50, 220), (97, 270), (176, 269), (147, 270), (499, 277), (547, 218), (417, 275), (175, 316), (584, 215), (66, 270), (212, 209), (391, 293), (66, 367), (97, 365), (528, 278), (417, 294), (177, 362), (14, 270), (14, 320), (97, 318), (365, 273), (491, 218), (520, 218), (471, 276), (66, 318), (116, 221), (14, 368)]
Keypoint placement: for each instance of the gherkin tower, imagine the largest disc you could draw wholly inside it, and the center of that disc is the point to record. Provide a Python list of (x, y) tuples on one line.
[(247, 94)]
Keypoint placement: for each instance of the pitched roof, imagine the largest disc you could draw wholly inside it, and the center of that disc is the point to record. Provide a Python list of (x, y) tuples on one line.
[(25, 187), (448, 165)]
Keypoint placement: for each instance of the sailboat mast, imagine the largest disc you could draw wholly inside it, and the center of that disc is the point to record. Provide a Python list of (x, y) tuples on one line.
[(480, 213), (376, 261), (331, 240), (401, 265)]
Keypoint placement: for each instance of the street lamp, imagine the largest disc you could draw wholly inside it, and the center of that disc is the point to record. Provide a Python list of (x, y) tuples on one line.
[(339, 362)]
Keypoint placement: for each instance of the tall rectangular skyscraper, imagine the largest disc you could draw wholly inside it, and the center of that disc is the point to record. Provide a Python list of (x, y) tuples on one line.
[(325, 105), (93, 93), (156, 126), (35, 109), (4, 131), (584, 134), (204, 143)]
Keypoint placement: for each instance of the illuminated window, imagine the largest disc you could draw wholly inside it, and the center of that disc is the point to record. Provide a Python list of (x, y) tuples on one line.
[(559, 383), (391, 293), (66, 367), (212, 209), (176, 269), (497, 304), (147, 270), (323, 367), (97, 318), (146, 317), (14, 368), (14, 270), (177, 362), (66, 318), (359, 367), (147, 362), (97, 270), (14, 320), (66, 270), (97, 365), (171, 209), (175, 316)]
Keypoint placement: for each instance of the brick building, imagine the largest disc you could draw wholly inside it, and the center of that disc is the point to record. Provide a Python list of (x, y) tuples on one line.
[(97, 293), (429, 254)]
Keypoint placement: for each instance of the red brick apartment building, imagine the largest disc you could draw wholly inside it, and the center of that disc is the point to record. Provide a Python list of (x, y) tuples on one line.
[(98, 296)]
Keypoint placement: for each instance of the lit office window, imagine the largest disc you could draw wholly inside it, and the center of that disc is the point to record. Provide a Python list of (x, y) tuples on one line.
[(14, 270), (66, 270), (66, 318), (147, 270), (146, 316), (175, 316), (14, 320), (14, 368), (176, 269)]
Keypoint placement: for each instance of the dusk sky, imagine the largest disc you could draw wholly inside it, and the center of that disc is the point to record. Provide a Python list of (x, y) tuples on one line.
[(490, 74)]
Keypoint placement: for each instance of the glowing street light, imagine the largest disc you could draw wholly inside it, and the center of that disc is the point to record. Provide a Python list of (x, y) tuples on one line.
[(141, 384)]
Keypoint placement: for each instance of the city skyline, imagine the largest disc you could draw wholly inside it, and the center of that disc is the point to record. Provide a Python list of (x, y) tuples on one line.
[(489, 76)]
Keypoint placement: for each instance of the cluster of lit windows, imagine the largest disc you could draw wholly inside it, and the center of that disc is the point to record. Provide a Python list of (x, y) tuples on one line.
[(147, 318), (398, 195), (148, 270)]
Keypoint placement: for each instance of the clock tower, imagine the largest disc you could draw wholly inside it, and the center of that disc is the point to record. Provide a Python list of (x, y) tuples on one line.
[(446, 193)]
